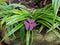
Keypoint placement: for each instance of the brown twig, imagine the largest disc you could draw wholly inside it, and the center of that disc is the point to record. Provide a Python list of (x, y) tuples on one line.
[(44, 3)]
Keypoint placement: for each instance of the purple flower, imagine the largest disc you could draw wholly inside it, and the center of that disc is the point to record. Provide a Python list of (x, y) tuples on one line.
[(31, 9), (30, 24)]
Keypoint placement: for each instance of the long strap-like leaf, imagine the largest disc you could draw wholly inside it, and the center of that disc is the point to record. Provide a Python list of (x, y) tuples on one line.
[(12, 31), (27, 37)]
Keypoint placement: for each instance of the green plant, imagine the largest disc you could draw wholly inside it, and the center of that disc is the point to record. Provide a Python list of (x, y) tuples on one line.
[(12, 17), (46, 17), (56, 5)]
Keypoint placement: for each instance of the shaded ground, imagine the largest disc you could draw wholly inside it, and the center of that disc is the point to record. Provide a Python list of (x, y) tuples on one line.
[(32, 3), (39, 39)]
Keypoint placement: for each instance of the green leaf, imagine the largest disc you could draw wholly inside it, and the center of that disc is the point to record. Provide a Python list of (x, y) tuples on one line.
[(56, 5), (58, 28), (55, 26), (41, 28), (12, 31), (44, 23), (47, 19), (22, 33), (14, 19), (57, 33), (48, 7), (22, 7)]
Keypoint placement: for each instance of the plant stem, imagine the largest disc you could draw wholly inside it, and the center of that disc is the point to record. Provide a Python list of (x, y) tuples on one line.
[(53, 22), (27, 37), (32, 38)]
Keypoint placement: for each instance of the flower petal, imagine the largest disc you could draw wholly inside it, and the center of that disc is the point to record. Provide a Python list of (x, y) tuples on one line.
[(32, 9), (34, 24), (26, 25), (30, 20), (31, 26)]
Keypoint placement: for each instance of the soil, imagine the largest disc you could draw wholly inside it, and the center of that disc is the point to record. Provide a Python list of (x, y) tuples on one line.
[(47, 39), (31, 3)]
